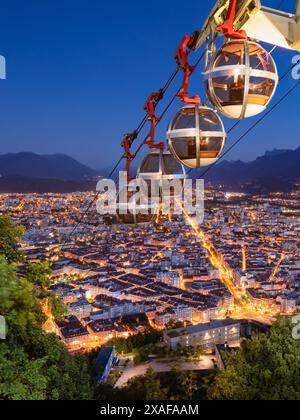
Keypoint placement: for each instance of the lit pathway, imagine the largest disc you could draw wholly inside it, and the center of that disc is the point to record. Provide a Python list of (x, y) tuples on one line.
[(226, 273), (243, 309)]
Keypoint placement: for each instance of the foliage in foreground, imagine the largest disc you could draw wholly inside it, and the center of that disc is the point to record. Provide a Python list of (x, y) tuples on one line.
[(265, 368), (136, 342), (9, 236), (176, 386), (33, 365), (36, 366)]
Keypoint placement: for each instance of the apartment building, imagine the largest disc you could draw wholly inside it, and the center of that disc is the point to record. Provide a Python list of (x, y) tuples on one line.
[(206, 336)]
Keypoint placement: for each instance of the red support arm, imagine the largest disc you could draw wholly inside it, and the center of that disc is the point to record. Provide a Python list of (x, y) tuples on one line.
[(126, 144), (150, 107), (181, 57), (228, 27)]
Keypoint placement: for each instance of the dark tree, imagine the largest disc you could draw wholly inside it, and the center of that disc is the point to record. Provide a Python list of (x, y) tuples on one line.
[(267, 367)]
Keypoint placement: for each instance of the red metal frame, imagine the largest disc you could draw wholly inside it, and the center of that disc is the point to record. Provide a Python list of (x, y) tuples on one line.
[(181, 57), (126, 144), (150, 107), (228, 27)]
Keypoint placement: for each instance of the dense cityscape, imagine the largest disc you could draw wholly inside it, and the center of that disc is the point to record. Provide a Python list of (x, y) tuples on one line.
[(241, 265), (146, 260)]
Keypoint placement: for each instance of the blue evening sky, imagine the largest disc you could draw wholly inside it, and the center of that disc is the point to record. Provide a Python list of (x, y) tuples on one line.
[(78, 74)]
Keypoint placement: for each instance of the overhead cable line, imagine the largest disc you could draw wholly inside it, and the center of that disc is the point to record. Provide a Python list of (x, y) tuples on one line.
[(253, 126), (139, 129)]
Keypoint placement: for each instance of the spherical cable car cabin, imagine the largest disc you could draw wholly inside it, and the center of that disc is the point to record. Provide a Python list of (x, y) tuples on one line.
[(241, 79), (196, 136), (158, 167), (132, 212)]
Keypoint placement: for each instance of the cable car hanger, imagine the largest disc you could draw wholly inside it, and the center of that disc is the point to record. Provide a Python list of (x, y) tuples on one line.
[(281, 28), (150, 107), (182, 58), (126, 144), (228, 28), (243, 16)]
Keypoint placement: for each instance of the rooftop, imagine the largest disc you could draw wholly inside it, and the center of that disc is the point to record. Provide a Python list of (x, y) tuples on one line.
[(104, 356), (195, 329)]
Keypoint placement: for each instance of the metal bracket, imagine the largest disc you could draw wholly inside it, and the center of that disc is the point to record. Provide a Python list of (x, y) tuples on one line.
[(126, 144), (150, 107), (182, 58), (228, 27)]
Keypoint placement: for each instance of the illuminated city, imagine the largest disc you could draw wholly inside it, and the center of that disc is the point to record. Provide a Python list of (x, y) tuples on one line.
[(149, 203), (178, 271)]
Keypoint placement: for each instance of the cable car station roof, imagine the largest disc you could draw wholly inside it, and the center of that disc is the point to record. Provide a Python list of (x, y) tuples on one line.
[(261, 23)]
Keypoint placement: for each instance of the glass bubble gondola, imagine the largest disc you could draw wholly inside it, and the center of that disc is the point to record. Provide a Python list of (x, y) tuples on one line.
[(133, 212), (158, 167), (196, 136), (241, 79)]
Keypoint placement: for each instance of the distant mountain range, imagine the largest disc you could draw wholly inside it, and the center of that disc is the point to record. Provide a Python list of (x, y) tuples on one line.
[(278, 167), (28, 172), (31, 165), (18, 184)]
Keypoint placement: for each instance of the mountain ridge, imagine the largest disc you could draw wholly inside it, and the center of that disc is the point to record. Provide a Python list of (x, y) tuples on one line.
[(29, 172), (279, 164), (56, 166)]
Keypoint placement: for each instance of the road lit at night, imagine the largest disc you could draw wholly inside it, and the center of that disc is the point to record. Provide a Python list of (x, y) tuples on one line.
[(242, 309)]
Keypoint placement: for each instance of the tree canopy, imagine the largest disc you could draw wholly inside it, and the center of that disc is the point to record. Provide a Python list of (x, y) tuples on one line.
[(267, 367), (9, 238), (135, 342), (36, 366), (33, 365), (38, 274)]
